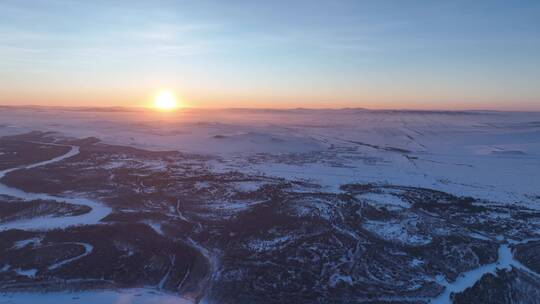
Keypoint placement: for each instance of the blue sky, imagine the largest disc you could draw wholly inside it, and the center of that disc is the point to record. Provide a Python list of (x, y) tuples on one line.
[(376, 54)]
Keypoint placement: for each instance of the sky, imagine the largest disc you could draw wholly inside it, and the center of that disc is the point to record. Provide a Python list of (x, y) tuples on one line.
[(272, 54)]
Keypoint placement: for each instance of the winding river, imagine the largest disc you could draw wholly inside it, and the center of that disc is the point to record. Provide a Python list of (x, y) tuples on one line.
[(97, 212), (467, 279)]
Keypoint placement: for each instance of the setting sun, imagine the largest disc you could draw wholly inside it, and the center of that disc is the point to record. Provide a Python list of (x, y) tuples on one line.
[(165, 101)]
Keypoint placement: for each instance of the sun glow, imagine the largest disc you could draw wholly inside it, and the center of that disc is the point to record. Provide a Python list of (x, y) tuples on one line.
[(165, 101)]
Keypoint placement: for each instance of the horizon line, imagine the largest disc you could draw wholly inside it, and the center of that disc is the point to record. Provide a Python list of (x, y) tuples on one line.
[(146, 108)]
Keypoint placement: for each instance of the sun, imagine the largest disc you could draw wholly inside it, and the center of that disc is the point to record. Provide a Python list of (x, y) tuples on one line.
[(165, 101)]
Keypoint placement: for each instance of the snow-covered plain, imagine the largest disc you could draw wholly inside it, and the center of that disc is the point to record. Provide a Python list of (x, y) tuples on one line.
[(129, 296), (485, 154)]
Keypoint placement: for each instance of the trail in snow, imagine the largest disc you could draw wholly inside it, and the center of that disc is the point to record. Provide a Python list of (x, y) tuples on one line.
[(163, 280), (97, 212), (213, 263), (87, 250)]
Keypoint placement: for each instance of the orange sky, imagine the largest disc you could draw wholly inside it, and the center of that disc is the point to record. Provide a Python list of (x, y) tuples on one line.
[(372, 54)]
